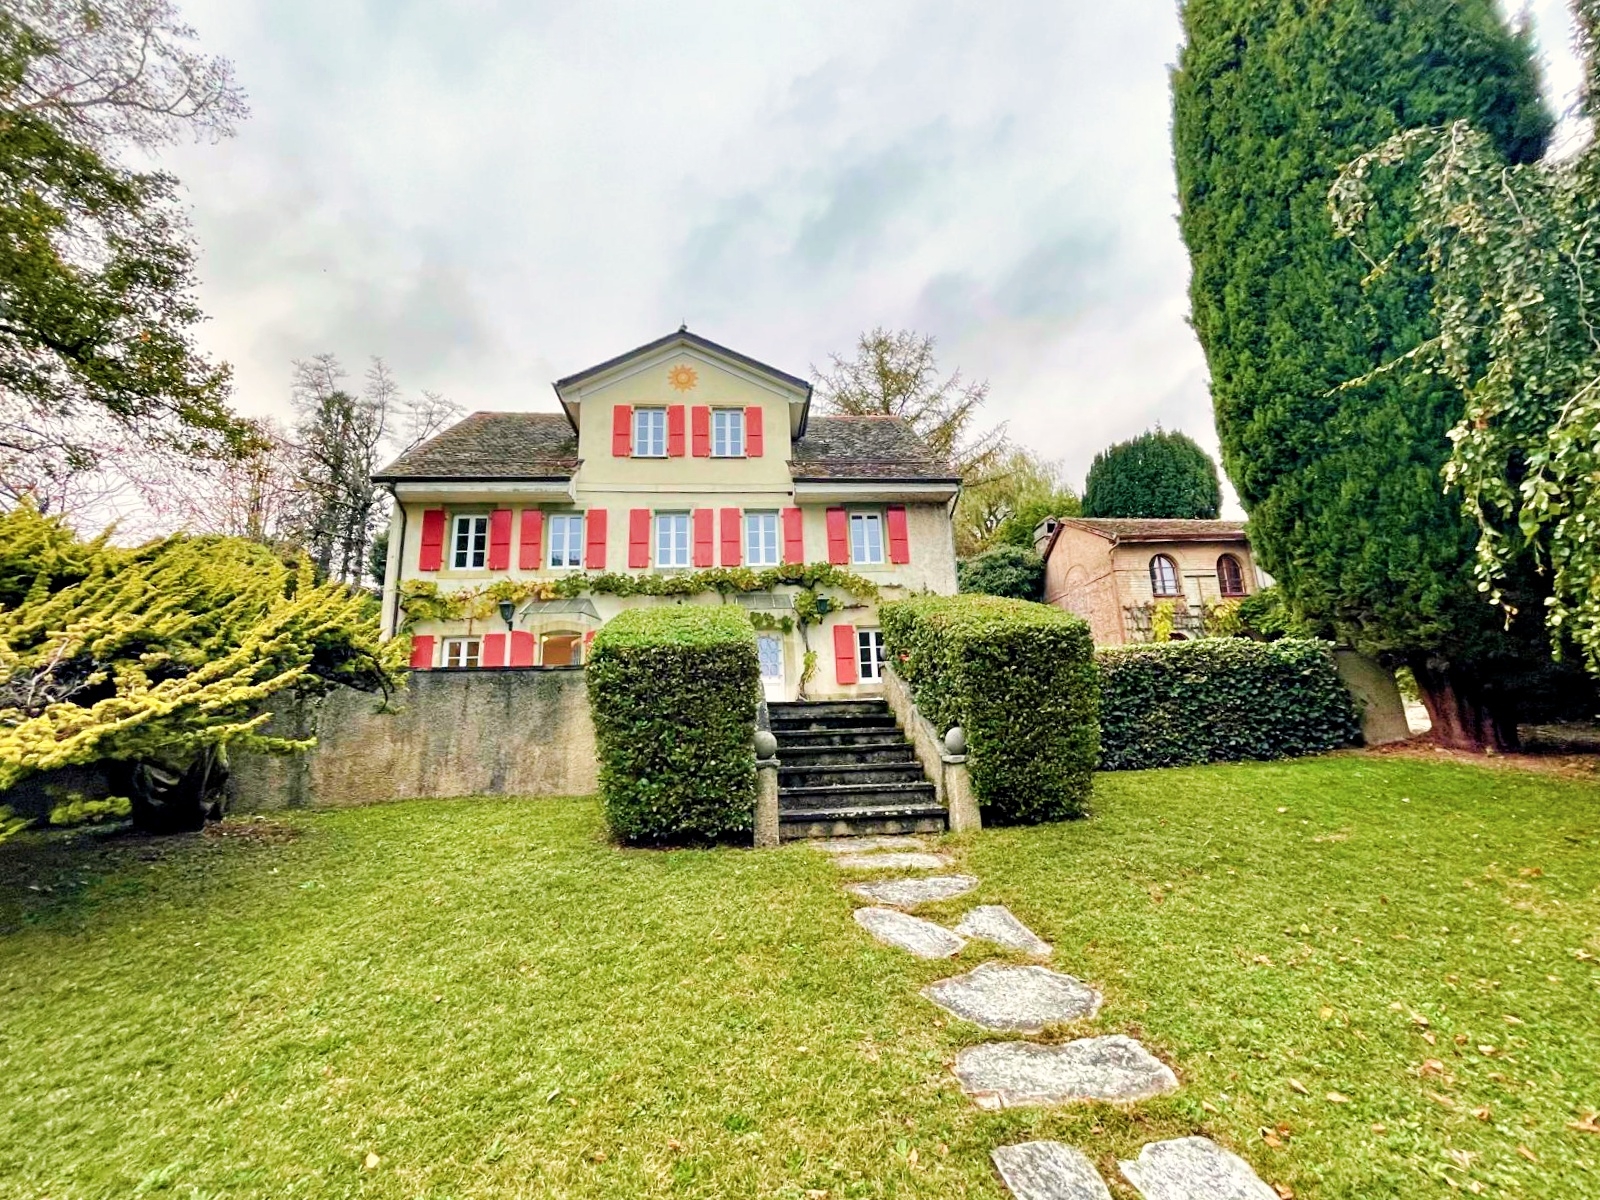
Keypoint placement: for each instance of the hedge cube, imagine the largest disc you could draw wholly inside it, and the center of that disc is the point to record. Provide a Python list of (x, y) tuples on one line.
[(673, 691)]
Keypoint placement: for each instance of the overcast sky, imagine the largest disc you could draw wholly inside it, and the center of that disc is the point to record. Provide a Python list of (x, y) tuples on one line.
[(491, 195)]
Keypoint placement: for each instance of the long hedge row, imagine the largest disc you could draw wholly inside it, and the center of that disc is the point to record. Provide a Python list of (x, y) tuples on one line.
[(1220, 699), (1019, 678), (673, 691)]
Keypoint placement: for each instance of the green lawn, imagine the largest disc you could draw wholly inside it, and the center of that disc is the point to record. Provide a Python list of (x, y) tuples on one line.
[(492, 1001)]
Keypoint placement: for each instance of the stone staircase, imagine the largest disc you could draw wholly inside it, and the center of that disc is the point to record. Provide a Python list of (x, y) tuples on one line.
[(846, 770)]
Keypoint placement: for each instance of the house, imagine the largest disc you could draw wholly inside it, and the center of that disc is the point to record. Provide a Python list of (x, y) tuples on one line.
[(1114, 573), (674, 458)]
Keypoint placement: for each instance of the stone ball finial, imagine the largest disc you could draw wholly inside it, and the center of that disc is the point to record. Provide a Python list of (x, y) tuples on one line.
[(766, 744), (955, 740)]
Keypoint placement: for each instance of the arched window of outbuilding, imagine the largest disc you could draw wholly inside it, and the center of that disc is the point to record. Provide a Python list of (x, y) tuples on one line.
[(1164, 576), (1230, 576)]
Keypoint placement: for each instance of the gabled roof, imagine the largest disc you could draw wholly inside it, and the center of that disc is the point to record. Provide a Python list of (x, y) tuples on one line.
[(492, 446), (682, 335), (1150, 529), (866, 448)]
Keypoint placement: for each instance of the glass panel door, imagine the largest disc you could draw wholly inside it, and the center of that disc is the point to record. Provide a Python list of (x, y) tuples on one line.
[(770, 647)]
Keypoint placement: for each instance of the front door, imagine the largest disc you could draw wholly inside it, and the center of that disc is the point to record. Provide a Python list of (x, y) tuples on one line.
[(770, 647)]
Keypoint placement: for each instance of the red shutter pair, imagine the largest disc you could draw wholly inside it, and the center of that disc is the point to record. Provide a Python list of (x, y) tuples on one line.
[(839, 535)]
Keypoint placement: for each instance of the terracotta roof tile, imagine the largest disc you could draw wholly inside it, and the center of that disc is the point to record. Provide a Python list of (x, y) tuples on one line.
[(1151, 529)]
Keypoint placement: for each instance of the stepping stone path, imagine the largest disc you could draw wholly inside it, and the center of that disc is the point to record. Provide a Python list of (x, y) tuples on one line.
[(910, 861), (1114, 1069), (1193, 1168), (922, 938), (908, 893), (1049, 1171), (995, 923), (1019, 999)]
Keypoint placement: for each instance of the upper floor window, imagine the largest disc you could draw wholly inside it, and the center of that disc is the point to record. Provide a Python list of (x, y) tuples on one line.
[(672, 539), (1230, 577), (866, 537), (470, 544), (649, 433), (461, 652), (727, 432), (761, 547), (869, 653), (566, 540), (1164, 577)]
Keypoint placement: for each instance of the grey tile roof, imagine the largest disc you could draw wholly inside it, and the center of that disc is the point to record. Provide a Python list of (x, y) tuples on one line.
[(1153, 529), (492, 445), (866, 448)]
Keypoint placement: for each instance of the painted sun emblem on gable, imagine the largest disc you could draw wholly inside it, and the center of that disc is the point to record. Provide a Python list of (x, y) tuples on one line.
[(682, 377)]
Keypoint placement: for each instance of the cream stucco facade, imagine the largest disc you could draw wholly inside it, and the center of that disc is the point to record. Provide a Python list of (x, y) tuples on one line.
[(606, 479)]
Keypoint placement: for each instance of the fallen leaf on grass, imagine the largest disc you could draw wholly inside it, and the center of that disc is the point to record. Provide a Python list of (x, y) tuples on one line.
[(1326, 1013), (1297, 1086), (1271, 1139), (1285, 1192), (1429, 1037), (1442, 1100), (1461, 1158), (1589, 1124), (1380, 1127), (1527, 1154), (1483, 1114), (370, 1161), (1338, 1098), (1209, 1107), (1263, 960)]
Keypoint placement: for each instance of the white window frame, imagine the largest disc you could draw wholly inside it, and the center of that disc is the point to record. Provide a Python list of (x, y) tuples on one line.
[(727, 433), (1157, 577), (475, 556), (763, 539), (869, 654), (463, 651), (571, 542), (649, 433), (862, 521), (672, 539)]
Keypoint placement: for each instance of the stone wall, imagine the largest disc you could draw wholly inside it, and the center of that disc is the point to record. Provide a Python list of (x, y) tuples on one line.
[(453, 733)]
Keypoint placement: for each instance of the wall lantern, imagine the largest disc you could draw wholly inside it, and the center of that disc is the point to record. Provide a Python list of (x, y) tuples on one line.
[(508, 612)]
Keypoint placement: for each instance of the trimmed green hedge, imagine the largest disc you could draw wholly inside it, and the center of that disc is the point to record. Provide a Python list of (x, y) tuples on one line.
[(1218, 700), (1019, 678), (673, 691)]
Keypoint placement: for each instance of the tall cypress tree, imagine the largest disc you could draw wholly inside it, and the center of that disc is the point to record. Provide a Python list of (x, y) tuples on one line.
[(1342, 483), (1157, 474)]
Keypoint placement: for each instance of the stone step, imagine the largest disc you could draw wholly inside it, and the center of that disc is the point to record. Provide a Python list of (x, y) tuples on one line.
[(816, 739), (832, 756), (796, 709), (847, 774), (852, 796), (864, 823), (1191, 1168), (847, 722), (1048, 1171)]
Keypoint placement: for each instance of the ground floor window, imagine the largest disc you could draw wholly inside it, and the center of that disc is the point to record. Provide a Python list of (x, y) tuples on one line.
[(461, 652), (869, 653), (562, 650)]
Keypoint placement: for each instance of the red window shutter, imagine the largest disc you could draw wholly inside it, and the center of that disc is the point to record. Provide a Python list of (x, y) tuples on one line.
[(588, 643), (500, 540), (639, 538), (703, 537), (675, 431), (838, 537), (521, 648), (492, 653), (594, 526), (794, 536), (844, 653), (421, 652), (732, 537), (432, 556), (700, 430), (622, 431), (899, 538), (532, 539), (754, 442)]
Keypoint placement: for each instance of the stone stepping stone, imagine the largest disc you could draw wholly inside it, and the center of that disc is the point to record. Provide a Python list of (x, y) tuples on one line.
[(996, 923), (866, 845), (1115, 1069), (1049, 1171), (890, 862), (922, 938), (908, 893), (1194, 1168), (1019, 999)]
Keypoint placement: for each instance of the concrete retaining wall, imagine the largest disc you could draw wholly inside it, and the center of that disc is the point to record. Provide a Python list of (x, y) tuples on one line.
[(454, 733)]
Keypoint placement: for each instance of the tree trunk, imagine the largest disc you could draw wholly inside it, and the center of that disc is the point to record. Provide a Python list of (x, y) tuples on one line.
[(1466, 714)]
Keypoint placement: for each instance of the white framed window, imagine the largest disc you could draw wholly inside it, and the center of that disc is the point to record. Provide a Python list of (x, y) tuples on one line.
[(1164, 577), (649, 433), (727, 432), (566, 540), (470, 546), (761, 539), (461, 652), (869, 653), (672, 539), (866, 537)]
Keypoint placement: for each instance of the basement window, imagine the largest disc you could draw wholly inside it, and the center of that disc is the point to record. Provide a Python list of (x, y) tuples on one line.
[(461, 652)]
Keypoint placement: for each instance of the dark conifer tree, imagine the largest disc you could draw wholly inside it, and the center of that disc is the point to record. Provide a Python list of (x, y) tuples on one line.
[(1157, 474)]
